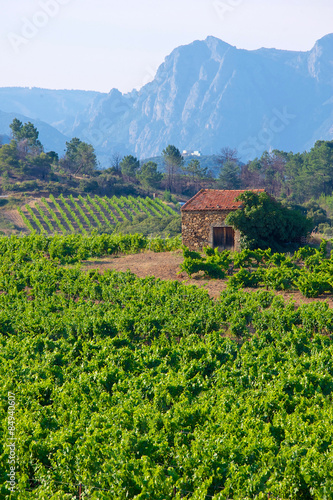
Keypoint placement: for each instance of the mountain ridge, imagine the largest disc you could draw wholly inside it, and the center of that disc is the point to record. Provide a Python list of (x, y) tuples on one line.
[(207, 95), (208, 90)]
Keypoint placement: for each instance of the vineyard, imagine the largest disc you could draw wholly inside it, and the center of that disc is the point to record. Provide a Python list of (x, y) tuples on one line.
[(132, 388), (82, 215), (308, 270)]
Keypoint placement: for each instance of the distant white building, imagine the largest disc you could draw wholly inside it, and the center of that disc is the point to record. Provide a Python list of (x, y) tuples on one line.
[(191, 153)]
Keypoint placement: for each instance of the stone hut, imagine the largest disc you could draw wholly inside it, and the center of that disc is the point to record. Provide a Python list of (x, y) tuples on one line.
[(203, 220)]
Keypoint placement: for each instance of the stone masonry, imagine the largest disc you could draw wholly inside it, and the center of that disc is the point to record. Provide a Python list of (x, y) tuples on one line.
[(197, 228)]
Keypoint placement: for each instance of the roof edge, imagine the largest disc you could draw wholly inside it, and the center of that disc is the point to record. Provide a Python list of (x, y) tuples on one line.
[(202, 191), (193, 198)]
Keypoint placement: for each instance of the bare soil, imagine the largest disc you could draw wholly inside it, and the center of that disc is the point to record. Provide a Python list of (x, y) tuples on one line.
[(14, 217), (166, 267)]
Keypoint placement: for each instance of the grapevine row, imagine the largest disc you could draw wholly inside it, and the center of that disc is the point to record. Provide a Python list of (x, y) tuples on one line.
[(54, 216), (25, 220), (63, 214), (81, 212), (45, 218), (91, 212), (152, 208), (105, 205), (122, 201), (165, 207), (114, 204), (72, 213), (35, 219), (100, 211), (186, 397)]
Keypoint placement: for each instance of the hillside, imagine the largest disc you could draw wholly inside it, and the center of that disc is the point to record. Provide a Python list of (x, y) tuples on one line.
[(58, 108), (85, 214), (209, 94), (51, 137), (208, 162), (205, 96)]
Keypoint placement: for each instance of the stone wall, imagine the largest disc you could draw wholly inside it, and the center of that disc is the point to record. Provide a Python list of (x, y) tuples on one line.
[(197, 228)]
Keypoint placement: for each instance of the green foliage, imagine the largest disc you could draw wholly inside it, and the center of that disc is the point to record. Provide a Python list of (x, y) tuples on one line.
[(308, 270), (229, 176), (171, 154), (195, 173), (28, 133), (281, 278), (129, 166), (173, 163), (303, 252), (75, 247), (315, 212), (132, 387), (167, 196), (250, 257), (299, 177), (212, 267), (265, 223), (244, 278), (188, 254), (105, 215), (222, 259), (80, 157), (326, 229), (313, 285), (149, 176), (9, 158), (88, 185), (154, 226)]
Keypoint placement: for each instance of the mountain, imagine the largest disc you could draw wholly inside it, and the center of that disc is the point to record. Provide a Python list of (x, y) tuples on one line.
[(58, 108), (50, 137), (205, 96), (209, 94)]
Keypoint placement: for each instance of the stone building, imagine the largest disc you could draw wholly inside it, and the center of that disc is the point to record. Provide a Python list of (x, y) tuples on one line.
[(203, 220)]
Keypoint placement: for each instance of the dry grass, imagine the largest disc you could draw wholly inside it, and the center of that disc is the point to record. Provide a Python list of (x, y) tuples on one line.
[(165, 266)]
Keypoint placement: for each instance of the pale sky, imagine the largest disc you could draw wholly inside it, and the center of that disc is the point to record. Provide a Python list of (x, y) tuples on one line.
[(105, 44)]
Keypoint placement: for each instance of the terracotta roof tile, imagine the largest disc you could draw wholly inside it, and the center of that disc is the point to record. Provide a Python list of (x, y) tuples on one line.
[(216, 199)]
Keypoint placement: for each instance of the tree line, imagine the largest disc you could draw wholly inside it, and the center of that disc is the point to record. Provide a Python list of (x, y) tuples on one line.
[(296, 178), (24, 158), (177, 177), (26, 153)]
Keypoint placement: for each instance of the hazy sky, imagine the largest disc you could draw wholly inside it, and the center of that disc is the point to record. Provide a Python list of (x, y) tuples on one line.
[(101, 44)]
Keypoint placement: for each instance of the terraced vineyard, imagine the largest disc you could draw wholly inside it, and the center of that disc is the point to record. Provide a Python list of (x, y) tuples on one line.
[(82, 215)]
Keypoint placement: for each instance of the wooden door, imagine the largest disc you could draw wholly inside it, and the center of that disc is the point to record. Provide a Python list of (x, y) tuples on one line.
[(223, 237)]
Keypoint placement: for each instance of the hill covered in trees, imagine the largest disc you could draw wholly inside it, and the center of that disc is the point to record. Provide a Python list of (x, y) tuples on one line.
[(303, 181)]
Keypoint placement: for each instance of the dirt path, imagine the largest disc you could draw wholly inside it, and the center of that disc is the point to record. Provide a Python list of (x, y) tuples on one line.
[(161, 265), (166, 266)]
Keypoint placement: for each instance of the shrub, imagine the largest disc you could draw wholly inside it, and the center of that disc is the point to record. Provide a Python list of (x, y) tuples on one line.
[(280, 278), (265, 223), (210, 269), (313, 285), (245, 278)]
